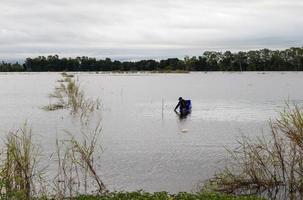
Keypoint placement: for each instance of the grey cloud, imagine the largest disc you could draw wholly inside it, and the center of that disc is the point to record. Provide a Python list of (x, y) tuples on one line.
[(122, 28)]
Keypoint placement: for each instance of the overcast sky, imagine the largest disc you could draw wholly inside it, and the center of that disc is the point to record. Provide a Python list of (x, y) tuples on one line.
[(130, 29)]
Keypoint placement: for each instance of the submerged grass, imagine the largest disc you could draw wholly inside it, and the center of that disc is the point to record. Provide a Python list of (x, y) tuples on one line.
[(66, 75), (70, 96), (53, 107), (66, 79), (270, 165)]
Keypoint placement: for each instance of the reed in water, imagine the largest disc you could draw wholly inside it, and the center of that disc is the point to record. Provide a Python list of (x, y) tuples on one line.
[(69, 95), (271, 165)]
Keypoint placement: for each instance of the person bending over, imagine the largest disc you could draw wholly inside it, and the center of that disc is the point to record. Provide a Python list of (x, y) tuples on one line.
[(181, 104)]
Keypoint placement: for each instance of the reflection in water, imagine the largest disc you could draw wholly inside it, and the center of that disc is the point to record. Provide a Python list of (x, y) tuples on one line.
[(183, 115), (182, 118)]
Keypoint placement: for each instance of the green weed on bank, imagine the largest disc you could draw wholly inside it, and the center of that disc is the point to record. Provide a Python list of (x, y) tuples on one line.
[(166, 196)]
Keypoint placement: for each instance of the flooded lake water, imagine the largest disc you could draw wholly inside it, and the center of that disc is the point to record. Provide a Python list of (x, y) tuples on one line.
[(145, 144)]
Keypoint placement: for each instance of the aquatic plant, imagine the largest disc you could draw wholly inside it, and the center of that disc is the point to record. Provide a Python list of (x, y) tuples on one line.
[(66, 79), (70, 96), (270, 164), (66, 75), (77, 168), (76, 159), (23, 177), (19, 173)]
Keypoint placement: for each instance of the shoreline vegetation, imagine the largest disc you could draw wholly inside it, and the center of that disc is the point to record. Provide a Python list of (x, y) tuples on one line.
[(141, 195), (256, 60), (267, 166)]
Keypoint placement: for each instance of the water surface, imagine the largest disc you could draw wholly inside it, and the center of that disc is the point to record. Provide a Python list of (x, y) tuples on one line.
[(146, 145)]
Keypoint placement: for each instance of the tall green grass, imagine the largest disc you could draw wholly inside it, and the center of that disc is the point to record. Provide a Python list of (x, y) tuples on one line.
[(140, 195), (18, 168)]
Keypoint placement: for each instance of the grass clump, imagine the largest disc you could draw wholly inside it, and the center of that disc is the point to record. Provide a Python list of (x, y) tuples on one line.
[(19, 171), (21, 176), (270, 165), (66, 75), (53, 107), (77, 169), (66, 79), (70, 96)]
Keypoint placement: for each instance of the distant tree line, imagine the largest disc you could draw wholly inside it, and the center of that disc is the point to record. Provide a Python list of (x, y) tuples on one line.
[(259, 60), (11, 67)]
